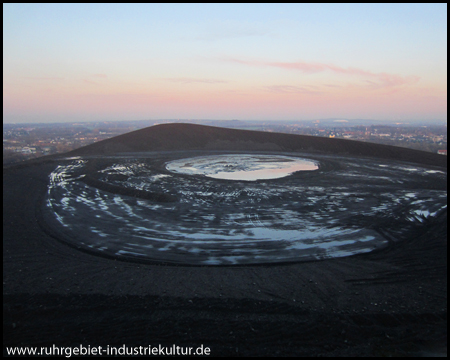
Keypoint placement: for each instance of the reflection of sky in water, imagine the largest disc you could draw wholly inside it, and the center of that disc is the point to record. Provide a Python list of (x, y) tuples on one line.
[(315, 222), (242, 167)]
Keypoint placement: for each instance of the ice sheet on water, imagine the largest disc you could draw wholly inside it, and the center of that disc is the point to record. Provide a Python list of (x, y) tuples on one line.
[(242, 167), (255, 222)]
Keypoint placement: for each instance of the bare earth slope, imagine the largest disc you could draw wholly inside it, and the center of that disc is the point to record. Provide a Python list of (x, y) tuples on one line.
[(387, 303), (200, 137)]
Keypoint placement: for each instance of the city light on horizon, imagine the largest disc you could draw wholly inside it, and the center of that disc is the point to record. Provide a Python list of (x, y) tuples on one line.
[(96, 62)]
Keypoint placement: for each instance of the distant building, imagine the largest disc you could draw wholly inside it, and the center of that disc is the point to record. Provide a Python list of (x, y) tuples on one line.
[(28, 150), (442, 152)]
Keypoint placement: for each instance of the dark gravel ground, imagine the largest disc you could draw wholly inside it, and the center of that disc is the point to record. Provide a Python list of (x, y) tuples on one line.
[(347, 200), (388, 303)]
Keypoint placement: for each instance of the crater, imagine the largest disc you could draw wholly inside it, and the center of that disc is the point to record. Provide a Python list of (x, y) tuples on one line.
[(143, 207)]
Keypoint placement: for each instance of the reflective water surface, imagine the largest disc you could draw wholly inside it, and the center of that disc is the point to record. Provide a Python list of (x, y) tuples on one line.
[(352, 209), (242, 167)]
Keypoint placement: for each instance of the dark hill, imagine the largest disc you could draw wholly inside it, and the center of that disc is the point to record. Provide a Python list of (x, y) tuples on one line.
[(168, 137), (391, 302)]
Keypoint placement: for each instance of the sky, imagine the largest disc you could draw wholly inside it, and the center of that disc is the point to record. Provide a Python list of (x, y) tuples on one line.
[(110, 62)]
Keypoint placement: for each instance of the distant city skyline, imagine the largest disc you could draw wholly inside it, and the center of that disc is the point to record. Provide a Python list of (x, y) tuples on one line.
[(111, 62)]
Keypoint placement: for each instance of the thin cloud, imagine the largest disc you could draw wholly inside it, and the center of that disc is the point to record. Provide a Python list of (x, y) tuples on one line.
[(44, 78), (288, 89), (377, 80), (229, 29), (90, 82), (231, 34), (102, 76), (194, 80)]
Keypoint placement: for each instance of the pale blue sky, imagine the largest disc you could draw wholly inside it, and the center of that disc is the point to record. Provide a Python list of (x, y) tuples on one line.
[(205, 60)]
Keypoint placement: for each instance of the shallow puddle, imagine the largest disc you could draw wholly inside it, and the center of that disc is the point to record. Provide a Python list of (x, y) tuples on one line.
[(242, 167)]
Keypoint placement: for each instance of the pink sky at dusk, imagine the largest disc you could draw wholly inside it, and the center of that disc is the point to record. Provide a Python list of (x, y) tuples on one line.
[(65, 76), (356, 91)]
